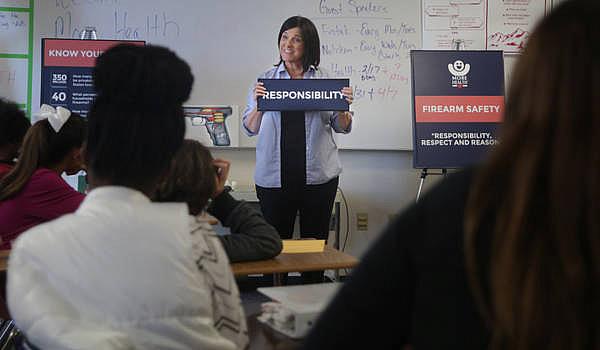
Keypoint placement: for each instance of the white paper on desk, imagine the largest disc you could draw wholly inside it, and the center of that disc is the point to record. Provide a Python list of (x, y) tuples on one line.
[(303, 298), (296, 308)]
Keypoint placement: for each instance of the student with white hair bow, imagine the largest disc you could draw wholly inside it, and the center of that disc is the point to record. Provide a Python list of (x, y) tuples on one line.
[(34, 191)]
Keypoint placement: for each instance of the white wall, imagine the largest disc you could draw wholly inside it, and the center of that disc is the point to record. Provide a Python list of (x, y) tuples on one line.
[(379, 183)]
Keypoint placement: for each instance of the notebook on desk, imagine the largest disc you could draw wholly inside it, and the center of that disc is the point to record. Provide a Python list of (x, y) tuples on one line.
[(303, 245)]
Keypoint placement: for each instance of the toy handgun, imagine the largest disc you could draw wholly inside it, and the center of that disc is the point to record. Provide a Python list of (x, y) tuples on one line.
[(214, 120)]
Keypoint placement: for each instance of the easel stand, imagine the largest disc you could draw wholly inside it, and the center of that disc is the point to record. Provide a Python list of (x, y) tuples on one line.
[(424, 173)]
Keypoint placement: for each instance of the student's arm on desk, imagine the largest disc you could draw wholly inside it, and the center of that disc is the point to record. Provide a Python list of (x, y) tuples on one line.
[(251, 238), (372, 310)]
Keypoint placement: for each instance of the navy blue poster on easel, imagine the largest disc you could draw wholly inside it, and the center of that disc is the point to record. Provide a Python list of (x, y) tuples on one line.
[(67, 66), (458, 105)]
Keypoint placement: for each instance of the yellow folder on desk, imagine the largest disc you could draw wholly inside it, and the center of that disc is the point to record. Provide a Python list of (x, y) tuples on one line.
[(303, 245)]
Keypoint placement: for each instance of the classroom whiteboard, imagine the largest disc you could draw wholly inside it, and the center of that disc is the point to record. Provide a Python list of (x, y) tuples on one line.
[(229, 43)]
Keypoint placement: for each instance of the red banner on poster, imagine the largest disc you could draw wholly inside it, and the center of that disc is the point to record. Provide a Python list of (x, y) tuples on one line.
[(76, 53), (459, 109)]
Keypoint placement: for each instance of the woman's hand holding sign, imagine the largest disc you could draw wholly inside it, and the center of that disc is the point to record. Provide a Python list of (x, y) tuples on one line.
[(346, 117), (255, 116), (259, 90), (347, 92)]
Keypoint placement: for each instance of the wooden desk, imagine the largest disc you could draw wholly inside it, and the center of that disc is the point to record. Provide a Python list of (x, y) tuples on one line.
[(4, 259), (329, 259), (3, 267)]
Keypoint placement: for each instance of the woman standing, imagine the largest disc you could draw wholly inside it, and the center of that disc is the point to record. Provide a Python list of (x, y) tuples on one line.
[(297, 163)]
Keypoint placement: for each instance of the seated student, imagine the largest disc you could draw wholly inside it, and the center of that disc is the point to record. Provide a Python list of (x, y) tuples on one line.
[(123, 272), (506, 256), (34, 192), (193, 180), (13, 126)]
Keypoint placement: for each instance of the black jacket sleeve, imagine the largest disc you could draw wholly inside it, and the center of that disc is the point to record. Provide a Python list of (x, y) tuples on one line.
[(372, 309), (411, 286), (251, 238)]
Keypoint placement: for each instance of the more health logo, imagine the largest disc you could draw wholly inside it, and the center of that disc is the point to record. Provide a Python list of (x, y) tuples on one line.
[(459, 71)]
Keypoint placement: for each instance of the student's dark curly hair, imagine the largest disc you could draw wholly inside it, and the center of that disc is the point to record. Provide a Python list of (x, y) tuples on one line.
[(13, 123), (136, 122), (192, 178)]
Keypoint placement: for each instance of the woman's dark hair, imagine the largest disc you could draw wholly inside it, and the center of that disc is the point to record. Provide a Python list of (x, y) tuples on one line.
[(541, 187), (43, 148), (136, 121), (13, 123), (310, 37), (191, 179)]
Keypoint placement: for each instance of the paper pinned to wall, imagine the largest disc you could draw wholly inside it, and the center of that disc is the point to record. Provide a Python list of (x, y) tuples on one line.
[(511, 21), (14, 31), (13, 79), (14, 3), (480, 24), (445, 21)]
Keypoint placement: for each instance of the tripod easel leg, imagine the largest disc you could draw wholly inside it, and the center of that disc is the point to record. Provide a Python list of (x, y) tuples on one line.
[(423, 176)]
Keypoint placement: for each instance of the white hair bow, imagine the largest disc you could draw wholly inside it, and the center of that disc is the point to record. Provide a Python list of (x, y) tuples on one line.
[(56, 117)]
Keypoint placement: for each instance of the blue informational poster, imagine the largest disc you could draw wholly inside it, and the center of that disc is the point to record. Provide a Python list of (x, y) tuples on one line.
[(304, 95), (458, 106), (67, 66)]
